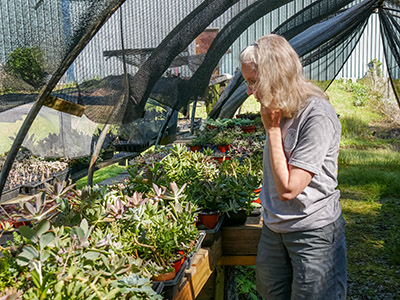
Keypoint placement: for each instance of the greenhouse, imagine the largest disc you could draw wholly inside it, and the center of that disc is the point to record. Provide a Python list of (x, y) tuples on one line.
[(131, 153)]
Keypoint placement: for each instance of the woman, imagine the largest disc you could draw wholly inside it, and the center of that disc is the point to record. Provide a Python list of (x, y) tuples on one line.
[(302, 251)]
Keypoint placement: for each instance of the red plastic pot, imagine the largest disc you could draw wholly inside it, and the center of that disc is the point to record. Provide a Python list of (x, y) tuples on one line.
[(209, 220), (220, 159), (177, 263), (223, 148)]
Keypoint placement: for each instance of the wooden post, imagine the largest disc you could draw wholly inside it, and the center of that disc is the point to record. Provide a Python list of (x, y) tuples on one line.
[(95, 153), (192, 117), (219, 283)]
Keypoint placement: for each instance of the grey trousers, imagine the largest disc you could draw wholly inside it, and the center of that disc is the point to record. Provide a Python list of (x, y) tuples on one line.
[(303, 265)]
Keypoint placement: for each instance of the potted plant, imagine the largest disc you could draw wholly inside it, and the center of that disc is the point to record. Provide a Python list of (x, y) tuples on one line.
[(205, 194), (223, 140), (239, 183), (201, 140)]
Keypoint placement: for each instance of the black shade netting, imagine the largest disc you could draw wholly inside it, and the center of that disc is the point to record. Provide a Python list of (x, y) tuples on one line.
[(36, 37), (389, 16), (325, 41), (337, 37)]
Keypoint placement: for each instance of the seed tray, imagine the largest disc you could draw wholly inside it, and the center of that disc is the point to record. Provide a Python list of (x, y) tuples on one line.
[(195, 249), (172, 287), (10, 194)]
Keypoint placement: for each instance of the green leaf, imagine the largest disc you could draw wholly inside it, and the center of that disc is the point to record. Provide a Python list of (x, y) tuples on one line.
[(46, 239), (27, 255), (78, 232), (72, 270), (29, 208), (28, 233), (91, 255), (35, 278), (42, 227), (84, 226), (58, 287), (44, 255)]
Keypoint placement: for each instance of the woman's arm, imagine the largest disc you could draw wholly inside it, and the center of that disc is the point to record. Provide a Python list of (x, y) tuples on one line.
[(289, 180)]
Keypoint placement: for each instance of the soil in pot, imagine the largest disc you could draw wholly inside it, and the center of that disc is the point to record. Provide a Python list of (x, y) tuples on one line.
[(209, 220)]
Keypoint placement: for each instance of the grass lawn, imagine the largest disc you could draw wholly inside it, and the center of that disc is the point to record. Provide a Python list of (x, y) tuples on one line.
[(369, 181), (102, 174)]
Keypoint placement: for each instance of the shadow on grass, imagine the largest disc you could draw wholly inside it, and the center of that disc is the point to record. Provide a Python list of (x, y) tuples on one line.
[(371, 205)]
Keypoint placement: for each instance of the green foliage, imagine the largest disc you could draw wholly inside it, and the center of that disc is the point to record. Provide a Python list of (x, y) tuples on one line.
[(360, 92), (28, 64), (368, 180), (183, 166), (11, 274), (245, 283)]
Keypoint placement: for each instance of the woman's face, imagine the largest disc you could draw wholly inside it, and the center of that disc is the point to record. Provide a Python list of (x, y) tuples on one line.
[(250, 76)]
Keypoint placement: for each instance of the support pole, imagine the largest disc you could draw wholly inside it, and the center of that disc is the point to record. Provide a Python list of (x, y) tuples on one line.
[(95, 154), (219, 283), (192, 117)]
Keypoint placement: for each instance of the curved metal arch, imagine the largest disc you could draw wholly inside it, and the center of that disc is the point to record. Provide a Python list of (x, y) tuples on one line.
[(289, 29), (173, 44), (231, 31), (308, 39)]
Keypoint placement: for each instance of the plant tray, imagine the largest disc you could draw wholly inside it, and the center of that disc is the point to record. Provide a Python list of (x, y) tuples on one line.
[(132, 147), (5, 237), (213, 234), (196, 248), (33, 188), (172, 287), (10, 194), (60, 176), (158, 286)]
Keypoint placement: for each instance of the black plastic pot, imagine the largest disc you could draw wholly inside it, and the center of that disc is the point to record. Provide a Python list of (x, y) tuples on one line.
[(235, 219)]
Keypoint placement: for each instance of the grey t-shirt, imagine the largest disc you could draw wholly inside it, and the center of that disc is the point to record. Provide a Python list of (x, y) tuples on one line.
[(311, 142)]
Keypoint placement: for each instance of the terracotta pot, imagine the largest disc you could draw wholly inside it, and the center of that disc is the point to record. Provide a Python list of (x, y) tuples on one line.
[(210, 220), (195, 148), (223, 148), (248, 129), (164, 276)]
